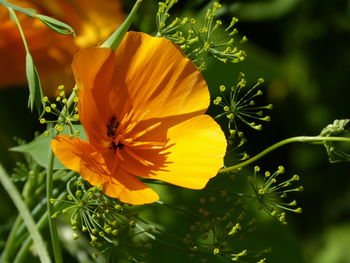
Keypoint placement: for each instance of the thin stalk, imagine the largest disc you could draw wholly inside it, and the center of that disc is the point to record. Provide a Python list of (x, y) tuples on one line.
[(21, 255), (17, 234), (25, 214), (116, 38), (29, 12), (12, 238), (56, 246), (15, 18), (5, 256), (309, 139)]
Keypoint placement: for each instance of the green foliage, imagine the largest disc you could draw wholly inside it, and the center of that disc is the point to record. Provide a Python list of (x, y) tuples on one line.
[(35, 92), (39, 148), (293, 67), (340, 128), (55, 25), (25, 214)]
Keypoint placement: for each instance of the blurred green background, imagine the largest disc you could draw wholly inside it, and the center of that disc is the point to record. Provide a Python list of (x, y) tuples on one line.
[(302, 50)]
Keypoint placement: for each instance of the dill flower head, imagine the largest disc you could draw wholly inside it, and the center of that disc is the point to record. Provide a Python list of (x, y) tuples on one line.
[(142, 108), (240, 105), (204, 38), (270, 193)]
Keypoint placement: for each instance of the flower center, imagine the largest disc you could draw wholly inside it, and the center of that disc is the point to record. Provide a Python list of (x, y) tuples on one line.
[(112, 133)]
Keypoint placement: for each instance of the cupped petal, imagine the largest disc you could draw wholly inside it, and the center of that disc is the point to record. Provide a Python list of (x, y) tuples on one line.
[(159, 78), (93, 69), (128, 189), (195, 154), (80, 156)]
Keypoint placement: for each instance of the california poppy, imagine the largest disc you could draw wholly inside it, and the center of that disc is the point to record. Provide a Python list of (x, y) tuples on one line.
[(92, 20), (142, 108)]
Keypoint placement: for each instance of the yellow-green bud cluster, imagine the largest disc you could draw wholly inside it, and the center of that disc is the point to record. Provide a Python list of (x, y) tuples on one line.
[(239, 106), (237, 256), (270, 191), (62, 118), (105, 221), (214, 229), (200, 41)]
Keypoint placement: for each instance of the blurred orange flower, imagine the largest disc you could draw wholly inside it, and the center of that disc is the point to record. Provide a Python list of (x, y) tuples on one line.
[(92, 20), (142, 108)]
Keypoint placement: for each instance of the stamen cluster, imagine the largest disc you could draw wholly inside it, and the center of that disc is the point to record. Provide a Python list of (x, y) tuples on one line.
[(106, 221), (207, 39), (68, 117), (240, 105), (269, 193), (222, 221)]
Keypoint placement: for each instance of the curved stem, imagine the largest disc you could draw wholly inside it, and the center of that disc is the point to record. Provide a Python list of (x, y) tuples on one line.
[(28, 12), (310, 139), (25, 214), (15, 18)]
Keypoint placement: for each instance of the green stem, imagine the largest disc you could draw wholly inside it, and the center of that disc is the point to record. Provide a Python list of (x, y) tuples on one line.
[(12, 238), (21, 255), (17, 234), (57, 251), (35, 212), (56, 246), (310, 139), (5, 256), (29, 12), (114, 40), (15, 18), (21, 236), (25, 214)]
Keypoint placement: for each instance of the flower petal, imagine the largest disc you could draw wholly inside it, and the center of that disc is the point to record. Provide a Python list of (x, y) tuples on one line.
[(128, 189), (93, 70), (79, 156), (159, 78), (196, 154)]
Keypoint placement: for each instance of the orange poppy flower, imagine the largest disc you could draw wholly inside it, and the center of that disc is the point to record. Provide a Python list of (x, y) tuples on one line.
[(142, 108), (93, 21)]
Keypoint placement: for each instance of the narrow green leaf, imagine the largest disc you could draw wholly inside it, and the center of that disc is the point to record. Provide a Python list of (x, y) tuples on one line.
[(56, 25), (39, 147), (25, 214), (114, 40), (35, 92), (337, 152)]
